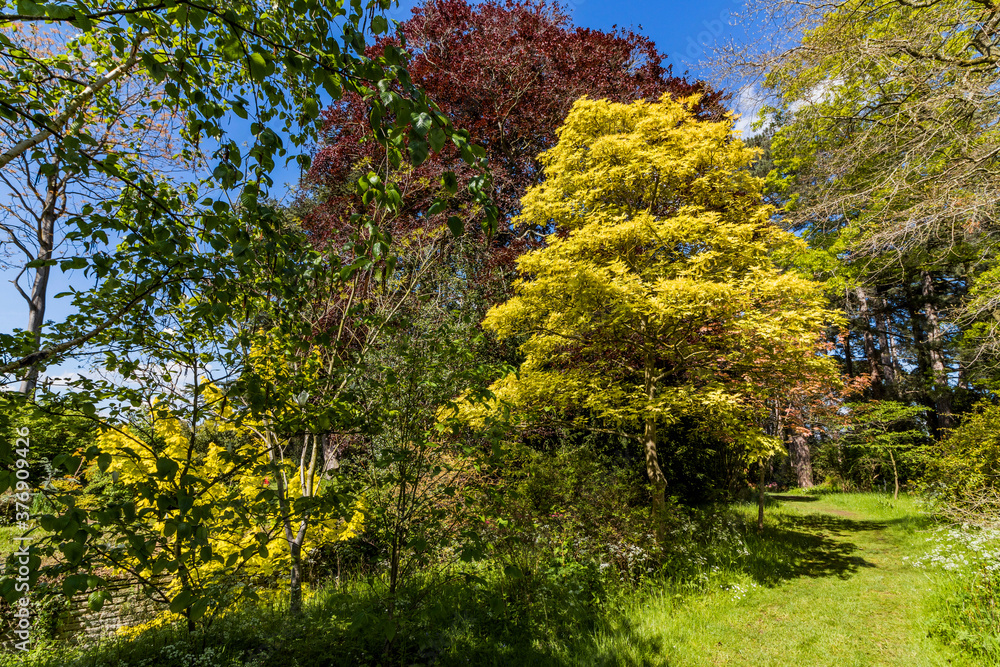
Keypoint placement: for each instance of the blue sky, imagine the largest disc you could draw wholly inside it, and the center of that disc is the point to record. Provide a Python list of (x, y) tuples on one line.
[(681, 30)]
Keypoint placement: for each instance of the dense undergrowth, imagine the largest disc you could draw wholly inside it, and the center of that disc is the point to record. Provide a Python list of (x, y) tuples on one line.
[(967, 604), (554, 609), (540, 606)]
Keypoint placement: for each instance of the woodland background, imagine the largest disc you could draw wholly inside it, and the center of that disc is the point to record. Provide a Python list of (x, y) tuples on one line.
[(536, 329)]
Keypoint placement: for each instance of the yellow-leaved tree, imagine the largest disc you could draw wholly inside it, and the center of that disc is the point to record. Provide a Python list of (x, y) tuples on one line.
[(206, 513), (658, 294)]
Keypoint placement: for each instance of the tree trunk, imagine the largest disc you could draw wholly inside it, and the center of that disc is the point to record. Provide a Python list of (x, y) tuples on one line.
[(307, 477), (657, 479), (885, 347), (940, 390), (871, 351), (918, 342), (185, 577), (848, 355), (656, 476), (760, 497), (295, 580), (895, 475), (294, 537), (801, 458), (40, 286), (331, 455)]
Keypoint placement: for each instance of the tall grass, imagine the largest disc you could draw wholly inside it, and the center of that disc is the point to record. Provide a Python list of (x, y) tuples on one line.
[(965, 562)]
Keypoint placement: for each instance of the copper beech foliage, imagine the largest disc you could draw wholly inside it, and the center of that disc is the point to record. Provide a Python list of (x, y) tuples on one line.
[(508, 72)]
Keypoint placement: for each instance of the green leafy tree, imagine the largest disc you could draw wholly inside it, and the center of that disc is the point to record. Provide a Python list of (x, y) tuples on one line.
[(963, 472), (885, 157), (177, 260), (56, 428), (886, 429), (657, 297), (162, 232)]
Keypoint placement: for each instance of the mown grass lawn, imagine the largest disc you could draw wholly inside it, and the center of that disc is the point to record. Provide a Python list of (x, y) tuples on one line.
[(827, 583)]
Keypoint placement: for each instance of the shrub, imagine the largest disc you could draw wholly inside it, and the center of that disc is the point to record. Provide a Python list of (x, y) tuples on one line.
[(962, 474)]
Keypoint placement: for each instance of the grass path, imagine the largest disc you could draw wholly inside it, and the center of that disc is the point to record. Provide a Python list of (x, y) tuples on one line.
[(826, 584)]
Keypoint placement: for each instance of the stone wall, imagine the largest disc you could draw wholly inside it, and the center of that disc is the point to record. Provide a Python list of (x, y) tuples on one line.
[(128, 606), (53, 616)]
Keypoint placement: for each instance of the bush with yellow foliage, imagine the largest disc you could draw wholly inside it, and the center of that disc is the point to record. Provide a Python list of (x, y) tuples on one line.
[(659, 294)]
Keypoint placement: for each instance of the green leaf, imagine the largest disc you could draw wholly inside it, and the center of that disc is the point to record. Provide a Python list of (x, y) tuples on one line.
[(103, 461), (166, 467), (28, 8), (198, 609), (258, 66), (58, 12), (437, 139), (418, 151), (456, 226), (74, 583), (450, 182), (379, 25), (422, 123), (95, 601), (239, 109), (73, 551), (310, 107), (181, 602), (153, 67), (73, 263)]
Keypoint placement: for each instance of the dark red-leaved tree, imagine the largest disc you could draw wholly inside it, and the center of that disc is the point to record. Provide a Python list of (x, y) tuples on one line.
[(508, 72)]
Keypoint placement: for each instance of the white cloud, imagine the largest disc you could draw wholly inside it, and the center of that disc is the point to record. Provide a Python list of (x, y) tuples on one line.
[(747, 106)]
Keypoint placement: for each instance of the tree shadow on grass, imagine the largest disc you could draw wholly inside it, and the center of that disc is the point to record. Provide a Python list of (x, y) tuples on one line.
[(791, 498), (806, 546)]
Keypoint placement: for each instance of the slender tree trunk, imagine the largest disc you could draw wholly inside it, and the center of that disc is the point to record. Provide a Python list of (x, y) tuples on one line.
[(656, 476), (801, 457), (294, 537), (760, 497), (895, 475), (848, 354), (871, 351), (307, 476), (331, 451), (885, 347), (940, 390), (40, 286), (919, 345), (295, 580), (185, 577)]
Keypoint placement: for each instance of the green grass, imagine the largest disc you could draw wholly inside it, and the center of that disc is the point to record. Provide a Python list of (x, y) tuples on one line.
[(826, 583), (7, 543)]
